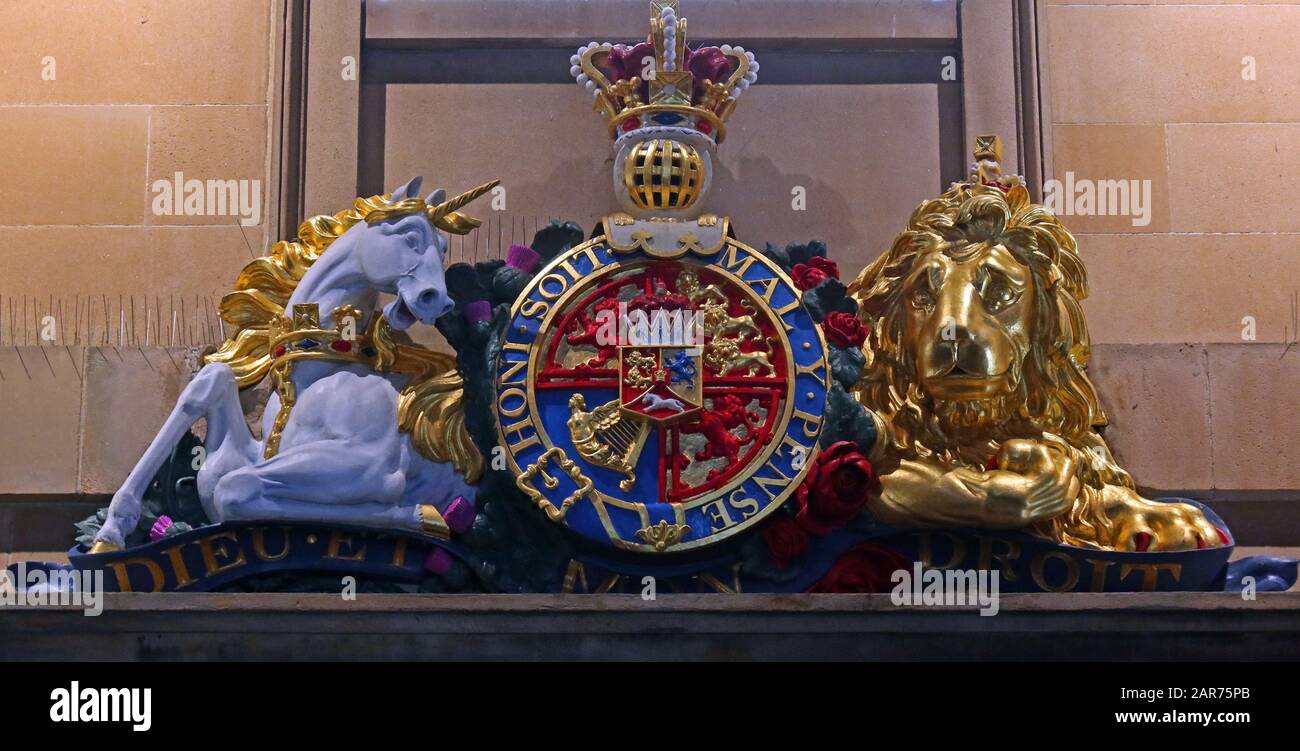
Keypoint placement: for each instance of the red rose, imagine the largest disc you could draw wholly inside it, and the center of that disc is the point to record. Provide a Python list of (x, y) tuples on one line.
[(825, 265), (806, 277), (835, 490), (844, 330), (866, 568), (785, 539)]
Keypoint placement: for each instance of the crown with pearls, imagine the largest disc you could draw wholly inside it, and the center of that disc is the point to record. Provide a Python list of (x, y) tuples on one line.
[(663, 83)]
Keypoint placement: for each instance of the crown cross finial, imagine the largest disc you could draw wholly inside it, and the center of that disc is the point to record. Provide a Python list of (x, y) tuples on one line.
[(988, 159), (988, 146), (987, 167)]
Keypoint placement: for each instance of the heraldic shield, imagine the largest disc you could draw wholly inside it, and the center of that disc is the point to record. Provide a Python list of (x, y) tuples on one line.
[(659, 401), (659, 384)]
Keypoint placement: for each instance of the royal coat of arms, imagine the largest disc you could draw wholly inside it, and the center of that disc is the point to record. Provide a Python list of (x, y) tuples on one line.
[(661, 387), (655, 397), (660, 400)]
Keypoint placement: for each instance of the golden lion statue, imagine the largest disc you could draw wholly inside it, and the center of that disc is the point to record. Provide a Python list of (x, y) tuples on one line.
[(975, 374)]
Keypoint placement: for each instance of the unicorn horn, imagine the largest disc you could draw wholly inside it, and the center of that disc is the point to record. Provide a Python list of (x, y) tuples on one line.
[(444, 216)]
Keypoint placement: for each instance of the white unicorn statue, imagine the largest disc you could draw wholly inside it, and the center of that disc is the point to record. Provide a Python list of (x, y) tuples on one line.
[(362, 429)]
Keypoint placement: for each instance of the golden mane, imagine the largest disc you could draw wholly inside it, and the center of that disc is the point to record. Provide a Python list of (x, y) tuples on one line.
[(429, 408), (1053, 393)]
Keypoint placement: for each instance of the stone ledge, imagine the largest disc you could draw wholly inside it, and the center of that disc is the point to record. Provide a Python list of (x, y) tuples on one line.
[(1205, 626)]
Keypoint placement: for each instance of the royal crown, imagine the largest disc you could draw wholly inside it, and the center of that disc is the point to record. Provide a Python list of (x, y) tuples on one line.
[(666, 107), (662, 81)]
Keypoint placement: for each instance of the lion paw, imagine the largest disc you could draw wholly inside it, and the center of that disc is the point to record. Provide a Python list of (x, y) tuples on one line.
[(1144, 525)]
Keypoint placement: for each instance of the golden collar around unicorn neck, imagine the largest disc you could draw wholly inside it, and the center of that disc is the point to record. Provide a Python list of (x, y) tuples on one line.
[(302, 338)]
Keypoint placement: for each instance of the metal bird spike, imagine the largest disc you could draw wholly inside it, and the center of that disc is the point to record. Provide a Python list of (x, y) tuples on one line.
[(445, 217)]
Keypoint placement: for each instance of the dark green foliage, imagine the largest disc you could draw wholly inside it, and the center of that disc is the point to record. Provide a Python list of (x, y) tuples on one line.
[(828, 297), (846, 420), (794, 253), (803, 252), (779, 256), (846, 365), (555, 238), (514, 548)]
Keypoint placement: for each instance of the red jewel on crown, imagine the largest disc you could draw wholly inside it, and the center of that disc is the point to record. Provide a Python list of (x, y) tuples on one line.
[(341, 345)]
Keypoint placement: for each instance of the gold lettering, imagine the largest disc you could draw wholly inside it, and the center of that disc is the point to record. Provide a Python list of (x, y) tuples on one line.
[(812, 371), (124, 582), (590, 254), (259, 544), (512, 369), (211, 564), (811, 423), (399, 553), (608, 585), (769, 287), (925, 550), (183, 578), (1004, 560), (575, 573), (516, 429), (783, 311), (534, 308), (744, 504), (780, 484), (795, 446), (1071, 571), (508, 378), (338, 539), (730, 262), (518, 393), (556, 279), (717, 512), (1099, 569)]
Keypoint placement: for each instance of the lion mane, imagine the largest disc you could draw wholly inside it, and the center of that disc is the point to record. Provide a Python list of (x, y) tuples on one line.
[(1051, 393)]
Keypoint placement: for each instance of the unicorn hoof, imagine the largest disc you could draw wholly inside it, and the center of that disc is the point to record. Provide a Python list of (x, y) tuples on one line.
[(104, 546), (432, 523)]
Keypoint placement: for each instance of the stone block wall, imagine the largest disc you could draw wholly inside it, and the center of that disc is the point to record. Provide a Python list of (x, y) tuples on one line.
[(1202, 100)]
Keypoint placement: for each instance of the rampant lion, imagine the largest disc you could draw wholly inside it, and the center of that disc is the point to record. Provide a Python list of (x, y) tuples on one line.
[(724, 355), (975, 372), (726, 413)]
